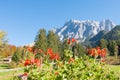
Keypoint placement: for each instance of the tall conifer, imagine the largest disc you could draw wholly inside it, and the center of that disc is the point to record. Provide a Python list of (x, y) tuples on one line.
[(41, 40)]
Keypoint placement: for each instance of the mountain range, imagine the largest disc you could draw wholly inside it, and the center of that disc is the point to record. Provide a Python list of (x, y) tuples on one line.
[(87, 31), (84, 29)]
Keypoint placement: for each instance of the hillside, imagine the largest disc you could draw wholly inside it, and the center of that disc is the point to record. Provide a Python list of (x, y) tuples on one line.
[(114, 34)]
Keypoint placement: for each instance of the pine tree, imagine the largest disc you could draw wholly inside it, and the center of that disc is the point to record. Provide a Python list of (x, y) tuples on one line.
[(41, 40), (53, 41), (103, 43), (16, 56), (112, 47)]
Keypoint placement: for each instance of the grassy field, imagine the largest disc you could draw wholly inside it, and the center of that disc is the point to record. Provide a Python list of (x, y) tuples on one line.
[(3, 66), (8, 75)]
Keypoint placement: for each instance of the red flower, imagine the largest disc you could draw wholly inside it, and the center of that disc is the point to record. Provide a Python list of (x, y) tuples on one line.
[(27, 62), (49, 51), (103, 52), (32, 60), (40, 51), (35, 52), (57, 57), (92, 52), (37, 63), (54, 56), (30, 49), (73, 40), (99, 52), (68, 41), (25, 74)]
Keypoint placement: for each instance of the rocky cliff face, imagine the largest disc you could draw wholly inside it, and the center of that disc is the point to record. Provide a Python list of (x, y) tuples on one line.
[(82, 30)]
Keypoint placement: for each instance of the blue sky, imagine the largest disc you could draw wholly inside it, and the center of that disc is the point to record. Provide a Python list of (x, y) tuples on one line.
[(22, 19)]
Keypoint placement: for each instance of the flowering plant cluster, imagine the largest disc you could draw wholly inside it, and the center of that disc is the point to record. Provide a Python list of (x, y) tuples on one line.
[(71, 41), (98, 52), (50, 66)]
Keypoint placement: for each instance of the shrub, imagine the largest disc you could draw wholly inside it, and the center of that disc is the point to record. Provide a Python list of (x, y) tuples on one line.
[(69, 68), (83, 68)]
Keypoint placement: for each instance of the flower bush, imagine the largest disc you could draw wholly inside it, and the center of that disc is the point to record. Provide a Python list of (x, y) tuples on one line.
[(51, 67)]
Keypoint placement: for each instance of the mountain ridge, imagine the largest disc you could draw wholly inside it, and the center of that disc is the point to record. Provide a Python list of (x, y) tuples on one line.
[(84, 29)]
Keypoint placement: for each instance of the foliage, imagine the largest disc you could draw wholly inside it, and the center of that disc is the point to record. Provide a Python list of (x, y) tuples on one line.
[(51, 67), (53, 41), (41, 40), (8, 51), (114, 34), (2, 37), (103, 43), (3, 42), (80, 50), (112, 47), (16, 57), (84, 68), (12, 64)]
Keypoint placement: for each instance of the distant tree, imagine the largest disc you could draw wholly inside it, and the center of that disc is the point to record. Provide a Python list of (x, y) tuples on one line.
[(118, 42), (3, 43), (2, 37), (88, 46), (41, 40), (112, 47), (53, 41), (17, 56), (103, 43)]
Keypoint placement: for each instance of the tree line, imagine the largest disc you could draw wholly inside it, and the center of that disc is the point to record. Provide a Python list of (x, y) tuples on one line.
[(51, 40)]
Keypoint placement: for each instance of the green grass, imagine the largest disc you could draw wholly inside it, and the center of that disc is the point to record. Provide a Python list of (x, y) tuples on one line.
[(9, 74), (3, 66), (116, 69)]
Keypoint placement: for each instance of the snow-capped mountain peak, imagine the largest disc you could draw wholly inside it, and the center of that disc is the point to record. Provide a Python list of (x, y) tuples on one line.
[(84, 29)]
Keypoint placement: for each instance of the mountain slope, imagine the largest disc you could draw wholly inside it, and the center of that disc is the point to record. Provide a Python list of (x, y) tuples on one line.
[(114, 34), (83, 30), (98, 36)]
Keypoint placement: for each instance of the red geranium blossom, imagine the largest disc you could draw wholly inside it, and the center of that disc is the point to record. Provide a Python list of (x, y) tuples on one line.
[(40, 51), (25, 74), (30, 49), (37, 62), (32, 61), (103, 52), (68, 41), (27, 62), (54, 56), (35, 52), (73, 40), (49, 51)]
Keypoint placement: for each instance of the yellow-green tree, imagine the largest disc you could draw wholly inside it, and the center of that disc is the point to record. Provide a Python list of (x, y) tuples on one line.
[(2, 41)]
